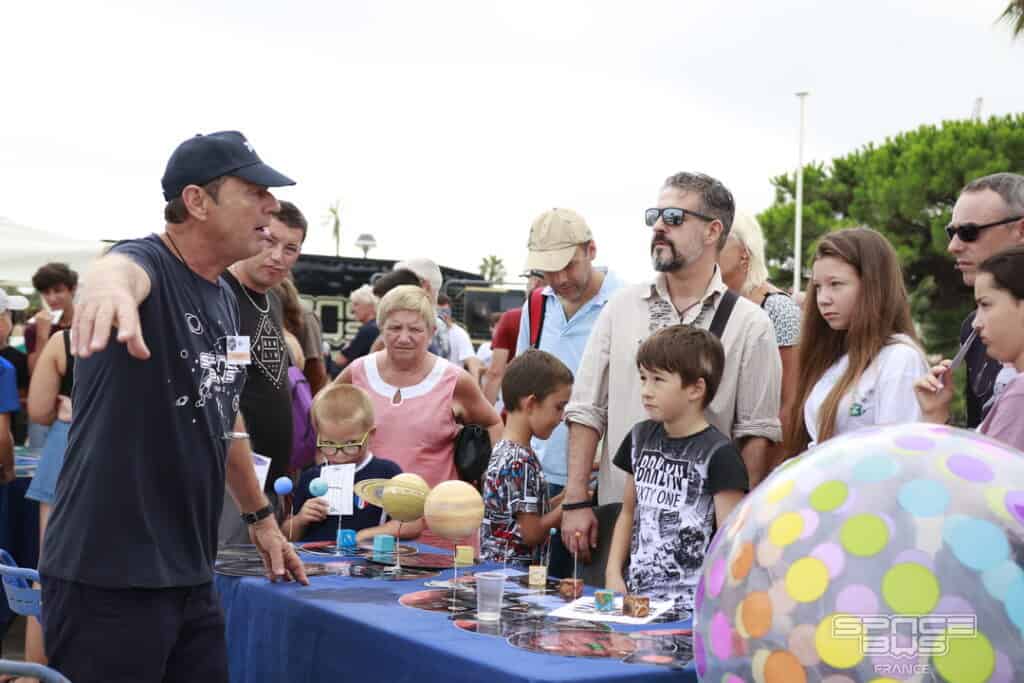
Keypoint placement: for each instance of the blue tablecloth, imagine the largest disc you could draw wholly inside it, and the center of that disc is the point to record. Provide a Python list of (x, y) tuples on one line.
[(353, 629)]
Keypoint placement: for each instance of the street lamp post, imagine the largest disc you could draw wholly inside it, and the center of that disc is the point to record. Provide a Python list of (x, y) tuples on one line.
[(366, 242), (799, 227)]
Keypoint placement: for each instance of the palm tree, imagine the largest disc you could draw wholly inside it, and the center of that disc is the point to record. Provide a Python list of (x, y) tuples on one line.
[(333, 219), (1014, 15), (492, 268)]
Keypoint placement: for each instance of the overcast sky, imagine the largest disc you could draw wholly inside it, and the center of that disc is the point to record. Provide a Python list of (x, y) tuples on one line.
[(444, 128)]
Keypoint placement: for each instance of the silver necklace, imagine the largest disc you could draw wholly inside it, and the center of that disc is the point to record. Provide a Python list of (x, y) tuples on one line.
[(248, 296)]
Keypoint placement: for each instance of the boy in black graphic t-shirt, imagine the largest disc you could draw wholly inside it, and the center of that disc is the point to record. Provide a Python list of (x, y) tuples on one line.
[(685, 476)]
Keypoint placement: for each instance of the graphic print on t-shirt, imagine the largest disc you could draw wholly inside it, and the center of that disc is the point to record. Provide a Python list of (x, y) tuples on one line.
[(268, 350), (218, 380), (675, 516)]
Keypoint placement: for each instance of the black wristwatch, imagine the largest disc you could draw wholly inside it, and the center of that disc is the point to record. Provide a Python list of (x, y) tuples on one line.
[(569, 507), (262, 513)]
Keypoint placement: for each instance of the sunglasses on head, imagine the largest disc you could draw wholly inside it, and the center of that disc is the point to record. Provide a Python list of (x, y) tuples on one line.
[(348, 447), (969, 232), (672, 215)]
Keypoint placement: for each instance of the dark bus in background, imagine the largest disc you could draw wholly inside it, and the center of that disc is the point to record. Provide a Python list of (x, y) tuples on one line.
[(325, 282)]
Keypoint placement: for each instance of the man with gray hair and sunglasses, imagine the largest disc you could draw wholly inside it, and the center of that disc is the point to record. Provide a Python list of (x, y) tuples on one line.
[(688, 228), (988, 217)]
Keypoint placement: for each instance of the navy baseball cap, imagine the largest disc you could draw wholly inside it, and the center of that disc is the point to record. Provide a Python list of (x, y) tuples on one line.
[(203, 158)]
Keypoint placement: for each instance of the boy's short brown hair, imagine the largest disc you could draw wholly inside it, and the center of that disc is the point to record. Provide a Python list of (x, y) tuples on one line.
[(533, 373), (688, 351), (341, 402)]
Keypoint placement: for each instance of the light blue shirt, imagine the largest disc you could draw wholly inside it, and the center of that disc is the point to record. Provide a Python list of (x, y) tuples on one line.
[(566, 340)]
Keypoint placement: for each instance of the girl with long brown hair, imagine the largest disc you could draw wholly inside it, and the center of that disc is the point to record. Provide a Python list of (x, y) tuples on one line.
[(859, 355)]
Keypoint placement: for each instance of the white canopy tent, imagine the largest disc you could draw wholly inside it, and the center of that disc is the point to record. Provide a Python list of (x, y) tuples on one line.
[(24, 249)]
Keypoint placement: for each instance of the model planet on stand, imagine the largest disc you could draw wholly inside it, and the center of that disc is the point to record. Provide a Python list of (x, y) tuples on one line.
[(405, 497), (402, 496), (318, 487), (282, 486), (454, 510)]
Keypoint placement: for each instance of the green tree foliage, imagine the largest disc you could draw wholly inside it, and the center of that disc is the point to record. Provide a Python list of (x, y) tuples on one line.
[(905, 188), (492, 268)]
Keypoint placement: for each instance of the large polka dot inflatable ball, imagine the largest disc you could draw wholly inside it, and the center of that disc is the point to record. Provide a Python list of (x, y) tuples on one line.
[(892, 554)]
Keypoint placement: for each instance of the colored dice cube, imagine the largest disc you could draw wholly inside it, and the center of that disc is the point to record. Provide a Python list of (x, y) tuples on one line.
[(604, 601)]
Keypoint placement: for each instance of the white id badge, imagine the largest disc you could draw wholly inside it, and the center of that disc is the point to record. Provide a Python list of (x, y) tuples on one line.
[(238, 350)]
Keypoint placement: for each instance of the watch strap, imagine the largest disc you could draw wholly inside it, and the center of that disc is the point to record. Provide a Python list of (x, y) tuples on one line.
[(262, 513)]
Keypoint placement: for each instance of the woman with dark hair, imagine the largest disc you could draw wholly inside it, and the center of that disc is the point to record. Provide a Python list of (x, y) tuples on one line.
[(999, 321), (858, 355)]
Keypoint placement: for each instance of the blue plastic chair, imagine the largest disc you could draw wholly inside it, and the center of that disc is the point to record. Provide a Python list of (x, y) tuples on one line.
[(26, 600), (21, 596), (44, 673)]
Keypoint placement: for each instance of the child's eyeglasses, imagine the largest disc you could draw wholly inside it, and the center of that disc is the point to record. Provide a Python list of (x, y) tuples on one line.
[(970, 232), (348, 448)]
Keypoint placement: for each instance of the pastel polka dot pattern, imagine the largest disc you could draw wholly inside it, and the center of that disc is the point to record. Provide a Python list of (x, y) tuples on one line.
[(978, 544), (781, 491), (744, 560), (864, 535), (857, 598), (783, 667), (969, 469), (924, 497), (721, 637), (897, 520), (875, 468), (832, 555), (786, 529), (807, 579), (829, 496), (967, 660), (910, 589), (835, 647)]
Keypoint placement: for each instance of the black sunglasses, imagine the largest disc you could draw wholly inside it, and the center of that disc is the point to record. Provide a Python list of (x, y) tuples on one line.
[(969, 232), (672, 216)]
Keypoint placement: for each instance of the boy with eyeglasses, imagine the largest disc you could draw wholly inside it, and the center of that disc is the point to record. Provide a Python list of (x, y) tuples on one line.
[(988, 218), (342, 416)]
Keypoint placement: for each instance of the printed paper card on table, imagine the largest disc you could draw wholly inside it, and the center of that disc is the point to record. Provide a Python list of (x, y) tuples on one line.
[(262, 465), (340, 480), (583, 608)]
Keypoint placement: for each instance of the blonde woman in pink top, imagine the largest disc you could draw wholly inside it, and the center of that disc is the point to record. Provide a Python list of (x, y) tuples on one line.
[(417, 396)]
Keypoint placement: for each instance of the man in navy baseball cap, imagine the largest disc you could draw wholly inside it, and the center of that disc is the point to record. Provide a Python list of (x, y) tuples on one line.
[(163, 435), (203, 158)]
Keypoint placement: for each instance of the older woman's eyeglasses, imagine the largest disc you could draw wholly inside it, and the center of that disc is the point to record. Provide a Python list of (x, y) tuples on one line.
[(672, 216), (347, 447)]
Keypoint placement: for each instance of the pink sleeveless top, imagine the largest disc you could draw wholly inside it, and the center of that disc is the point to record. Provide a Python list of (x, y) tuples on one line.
[(418, 431)]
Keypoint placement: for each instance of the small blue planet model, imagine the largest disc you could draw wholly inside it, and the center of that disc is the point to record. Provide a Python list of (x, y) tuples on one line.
[(282, 486), (318, 487)]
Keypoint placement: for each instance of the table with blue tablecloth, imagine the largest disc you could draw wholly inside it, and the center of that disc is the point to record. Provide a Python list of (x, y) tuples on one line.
[(347, 628)]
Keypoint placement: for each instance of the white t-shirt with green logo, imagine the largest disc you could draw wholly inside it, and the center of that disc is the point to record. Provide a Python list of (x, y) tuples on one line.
[(884, 394)]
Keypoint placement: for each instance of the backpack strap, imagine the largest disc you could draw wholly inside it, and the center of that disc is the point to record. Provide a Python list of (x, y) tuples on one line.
[(723, 312), (536, 316)]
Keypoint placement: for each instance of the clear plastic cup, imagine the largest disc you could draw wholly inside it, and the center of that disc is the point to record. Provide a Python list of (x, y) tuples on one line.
[(490, 587)]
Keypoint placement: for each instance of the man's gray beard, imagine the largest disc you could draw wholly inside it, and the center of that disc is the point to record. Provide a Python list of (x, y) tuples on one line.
[(670, 266)]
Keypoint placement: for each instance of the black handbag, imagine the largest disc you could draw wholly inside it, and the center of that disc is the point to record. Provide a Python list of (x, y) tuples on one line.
[(472, 453)]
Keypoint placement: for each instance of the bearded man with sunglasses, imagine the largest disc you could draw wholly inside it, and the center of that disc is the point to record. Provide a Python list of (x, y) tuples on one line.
[(688, 228), (987, 218)]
